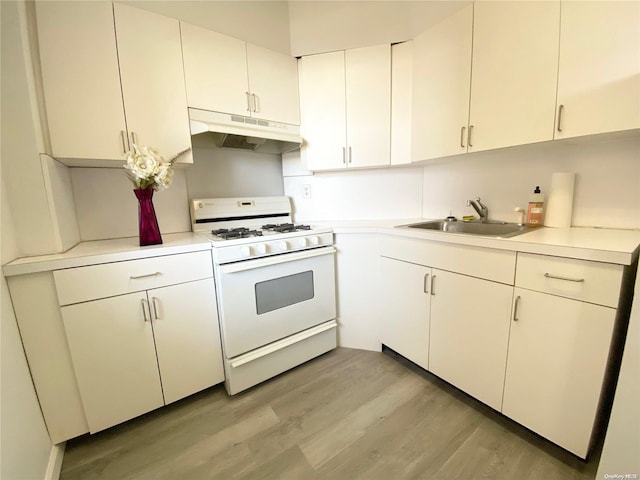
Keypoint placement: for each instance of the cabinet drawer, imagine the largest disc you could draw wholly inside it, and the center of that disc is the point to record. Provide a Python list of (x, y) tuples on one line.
[(98, 281), (592, 282)]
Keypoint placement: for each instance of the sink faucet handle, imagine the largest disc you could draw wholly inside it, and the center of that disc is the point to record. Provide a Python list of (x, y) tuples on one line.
[(480, 203)]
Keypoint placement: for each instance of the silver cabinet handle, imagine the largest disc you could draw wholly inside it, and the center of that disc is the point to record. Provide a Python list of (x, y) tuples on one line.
[(248, 101), (255, 102), (145, 305), (426, 277), (156, 309), (134, 138), (433, 278), (344, 155), (123, 137), (469, 138), (515, 308), (568, 279), (560, 109), (462, 136), (349, 154), (146, 275)]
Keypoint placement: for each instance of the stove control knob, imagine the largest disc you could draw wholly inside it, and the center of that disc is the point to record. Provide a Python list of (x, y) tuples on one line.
[(261, 249), (304, 242), (246, 251), (315, 240), (283, 245)]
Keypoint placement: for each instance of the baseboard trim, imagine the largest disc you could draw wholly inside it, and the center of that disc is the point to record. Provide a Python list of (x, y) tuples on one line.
[(55, 462)]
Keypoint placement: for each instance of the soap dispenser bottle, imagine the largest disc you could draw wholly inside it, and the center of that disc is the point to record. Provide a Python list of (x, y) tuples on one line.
[(535, 211)]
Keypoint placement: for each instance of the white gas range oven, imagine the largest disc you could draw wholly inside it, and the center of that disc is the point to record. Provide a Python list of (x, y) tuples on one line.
[(275, 286)]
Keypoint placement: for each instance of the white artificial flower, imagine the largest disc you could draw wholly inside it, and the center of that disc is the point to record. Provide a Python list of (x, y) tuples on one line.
[(148, 169)]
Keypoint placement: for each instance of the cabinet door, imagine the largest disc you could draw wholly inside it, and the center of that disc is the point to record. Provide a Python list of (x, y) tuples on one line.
[(558, 351), (152, 75), (114, 358), (470, 333), (599, 71), (515, 70), (368, 97), (441, 84), (185, 326), (215, 70), (322, 111), (405, 316), (81, 80), (273, 83)]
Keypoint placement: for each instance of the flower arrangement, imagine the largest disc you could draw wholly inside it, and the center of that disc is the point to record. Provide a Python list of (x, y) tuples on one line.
[(146, 168)]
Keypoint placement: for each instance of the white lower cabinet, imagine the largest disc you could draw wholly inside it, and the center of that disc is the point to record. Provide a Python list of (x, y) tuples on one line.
[(405, 325), (469, 334), (559, 347), (139, 350), (557, 359), (454, 325), (114, 358)]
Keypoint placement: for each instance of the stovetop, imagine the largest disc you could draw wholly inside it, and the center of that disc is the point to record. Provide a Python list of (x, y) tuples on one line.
[(247, 232)]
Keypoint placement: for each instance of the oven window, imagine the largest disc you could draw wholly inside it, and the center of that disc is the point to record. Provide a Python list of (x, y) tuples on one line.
[(284, 291)]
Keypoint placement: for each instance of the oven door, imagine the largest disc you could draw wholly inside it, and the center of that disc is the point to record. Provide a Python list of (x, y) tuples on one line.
[(267, 299)]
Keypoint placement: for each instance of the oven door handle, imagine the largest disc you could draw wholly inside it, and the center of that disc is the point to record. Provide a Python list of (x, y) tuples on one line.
[(275, 260), (281, 344)]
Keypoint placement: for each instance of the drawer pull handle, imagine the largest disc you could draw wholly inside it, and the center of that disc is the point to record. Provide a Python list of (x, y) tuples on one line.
[(515, 309), (433, 279), (146, 275), (577, 280), (426, 278)]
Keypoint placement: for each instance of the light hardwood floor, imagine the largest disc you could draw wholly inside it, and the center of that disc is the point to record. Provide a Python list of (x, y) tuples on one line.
[(349, 414)]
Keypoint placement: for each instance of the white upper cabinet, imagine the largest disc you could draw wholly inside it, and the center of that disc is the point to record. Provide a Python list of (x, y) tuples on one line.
[(502, 95), (224, 74), (401, 87), (441, 86), (273, 83), (152, 77), (93, 79), (81, 80), (599, 70), (323, 123), (346, 108), (215, 69), (515, 69)]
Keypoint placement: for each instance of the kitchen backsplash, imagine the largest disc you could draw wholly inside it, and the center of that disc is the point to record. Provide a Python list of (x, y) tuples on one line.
[(607, 192)]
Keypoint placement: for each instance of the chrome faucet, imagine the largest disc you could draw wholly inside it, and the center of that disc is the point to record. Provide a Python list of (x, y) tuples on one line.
[(479, 207)]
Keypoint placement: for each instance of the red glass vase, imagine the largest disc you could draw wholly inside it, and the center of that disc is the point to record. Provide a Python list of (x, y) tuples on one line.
[(149, 230)]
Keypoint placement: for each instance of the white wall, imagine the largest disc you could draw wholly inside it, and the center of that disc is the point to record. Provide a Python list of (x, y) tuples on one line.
[(322, 26), (227, 172), (358, 194), (264, 23), (607, 192), (106, 206)]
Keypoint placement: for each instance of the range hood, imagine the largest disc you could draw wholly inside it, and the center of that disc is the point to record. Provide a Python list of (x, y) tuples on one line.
[(246, 133)]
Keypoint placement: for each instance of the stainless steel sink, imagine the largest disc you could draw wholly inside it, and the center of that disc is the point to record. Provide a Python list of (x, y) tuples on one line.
[(487, 229)]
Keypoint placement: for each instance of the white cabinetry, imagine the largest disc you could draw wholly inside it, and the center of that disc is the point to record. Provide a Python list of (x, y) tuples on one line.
[(470, 333), (345, 107), (559, 347), (509, 99), (515, 71), (599, 70), (141, 333), (82, 70), (452, 324), (406, 309), (441, 87), (224, 74)]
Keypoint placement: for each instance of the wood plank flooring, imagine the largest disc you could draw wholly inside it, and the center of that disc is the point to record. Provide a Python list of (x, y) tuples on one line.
[(349, 414)]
